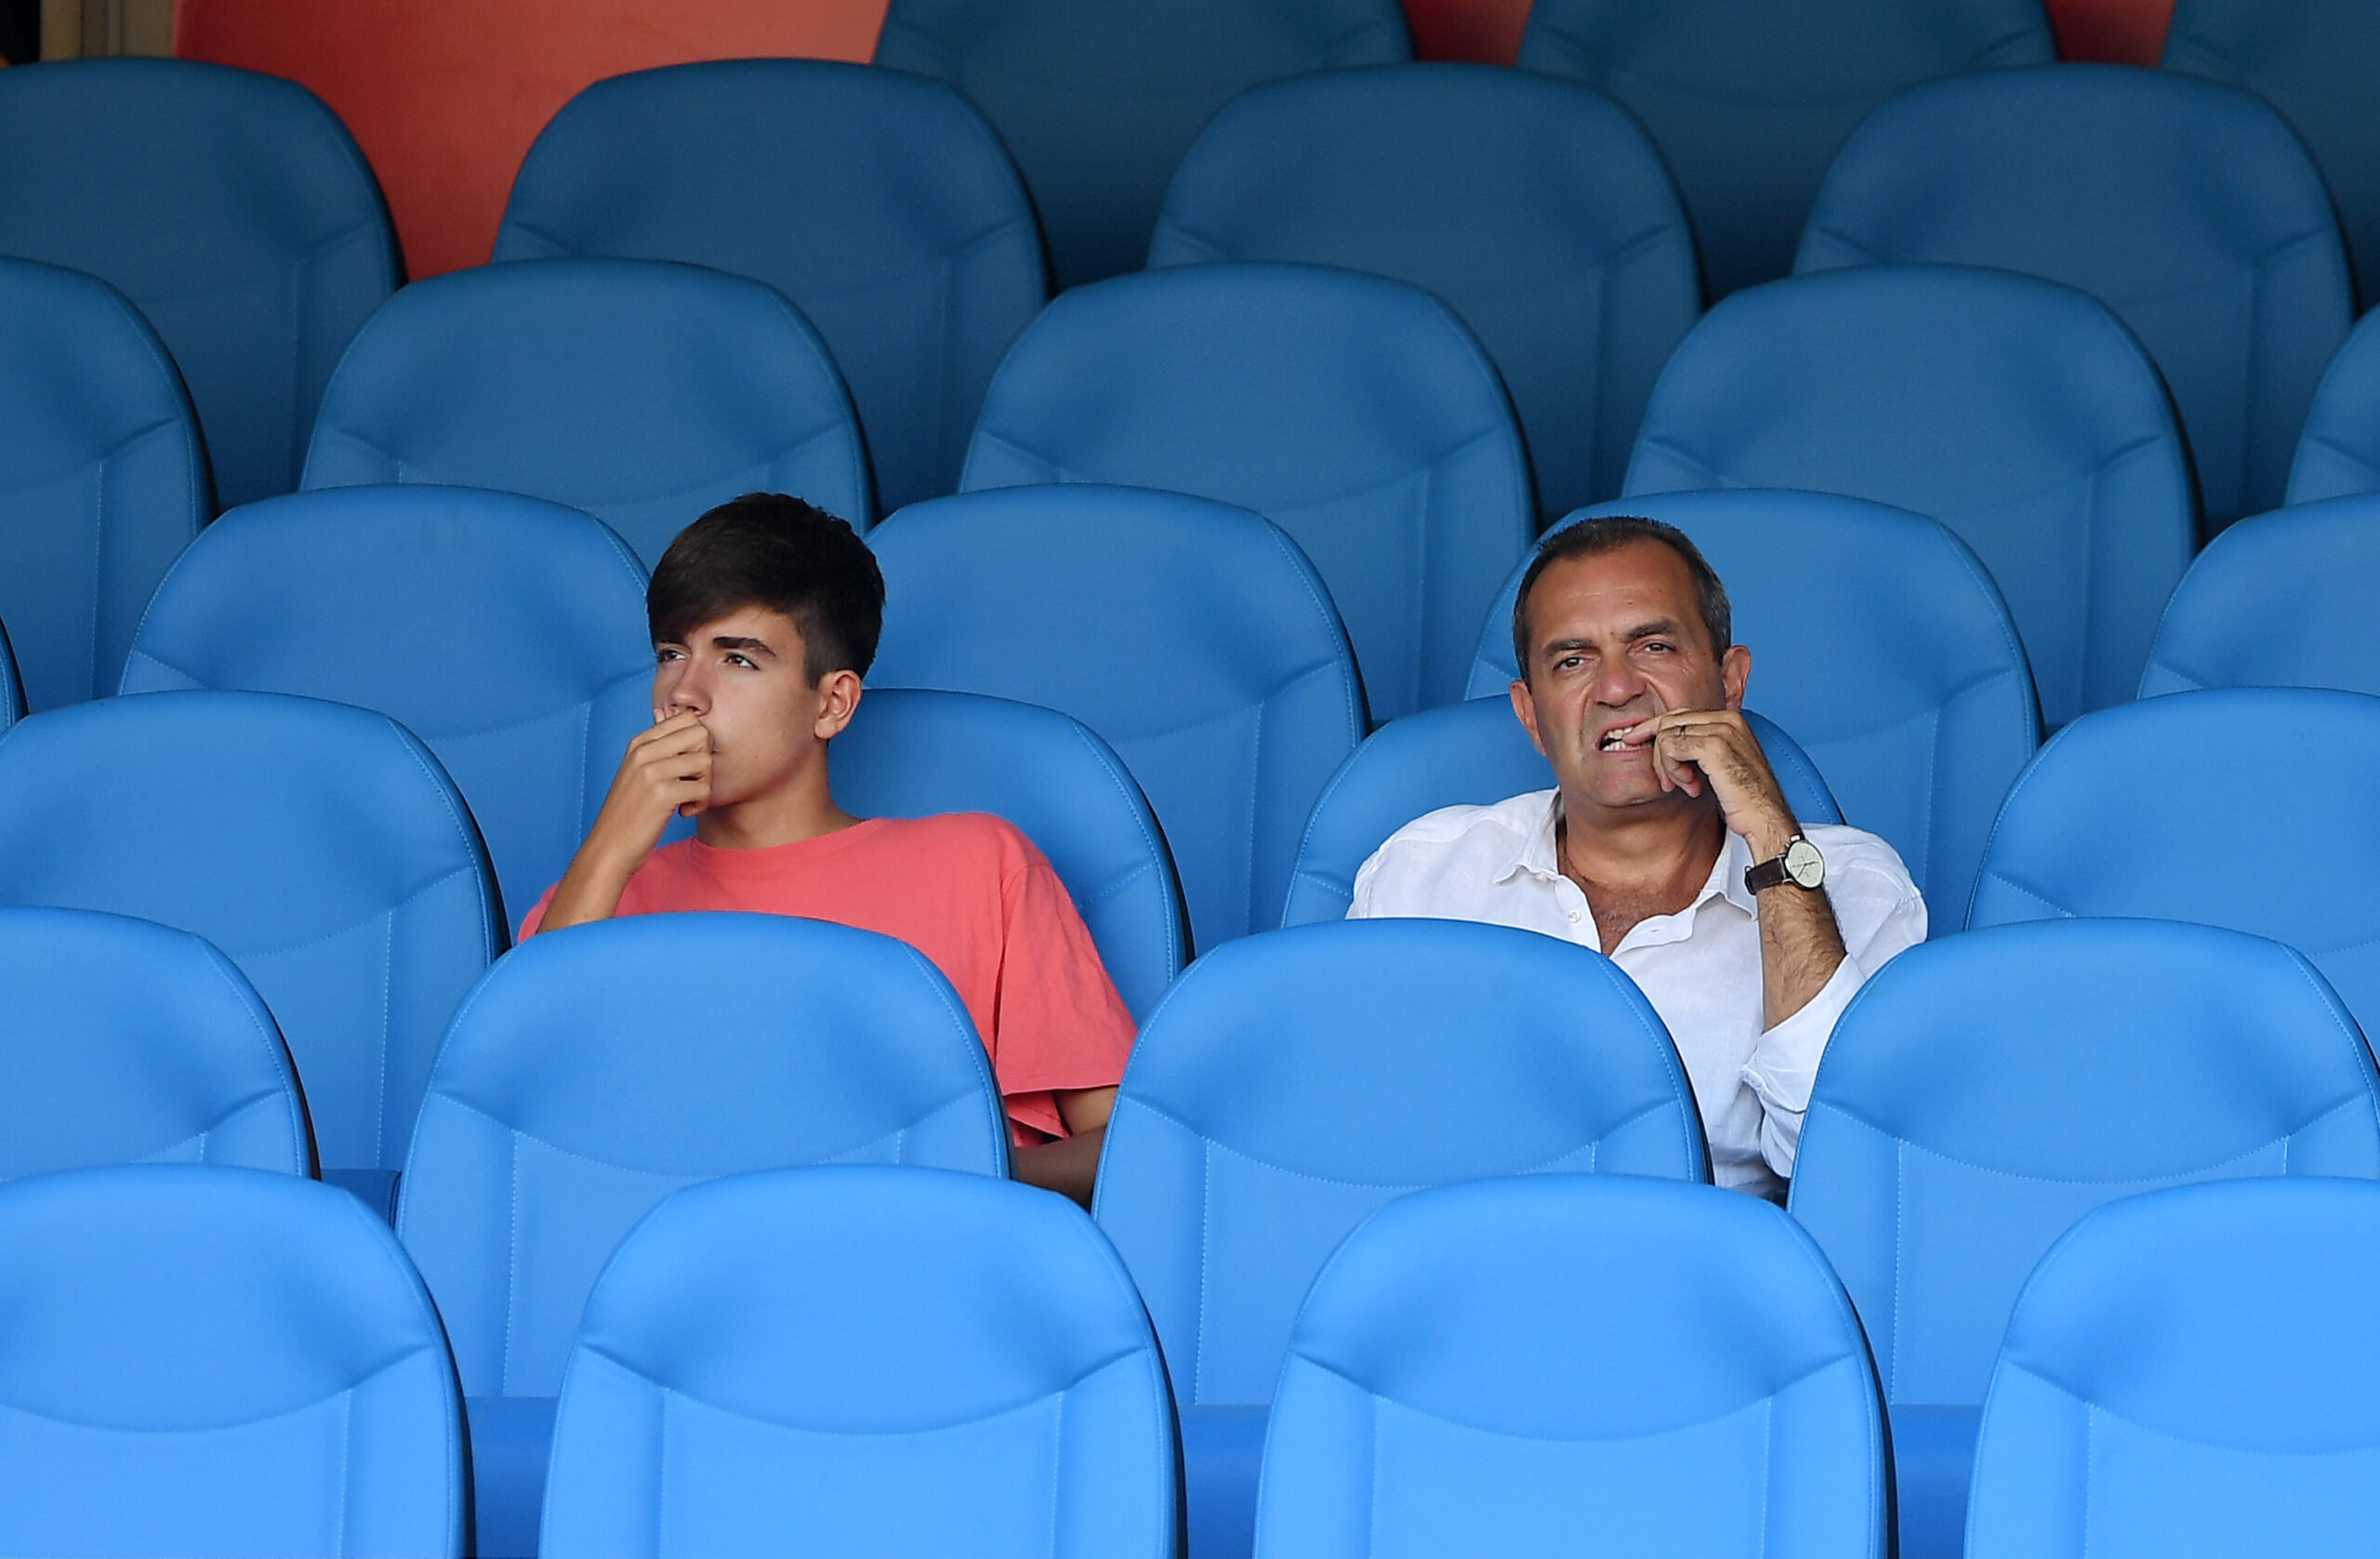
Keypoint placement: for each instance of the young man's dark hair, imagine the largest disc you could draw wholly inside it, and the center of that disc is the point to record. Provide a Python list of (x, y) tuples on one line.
[(767, 550), (1594, 538)]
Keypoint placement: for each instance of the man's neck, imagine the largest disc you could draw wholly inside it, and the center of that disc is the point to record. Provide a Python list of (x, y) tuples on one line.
[(1636, 863), (802, 810)]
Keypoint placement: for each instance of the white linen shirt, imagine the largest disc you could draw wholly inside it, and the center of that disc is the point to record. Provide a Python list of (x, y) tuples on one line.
[(1699, 968)]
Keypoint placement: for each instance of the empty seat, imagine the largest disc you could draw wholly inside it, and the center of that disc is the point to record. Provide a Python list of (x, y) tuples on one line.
[(1292, 1085), (1575, 1363), (12, 692), (2017, 412), (873, 1361), (507, 633), (1098, 99), (103, 481), (1355, 412), (1983, 1093), (320, 846), (881, 205), (217, 1361), (2283, 600), (2340, 451), (2190, 1374), (1536, 208), (1041, 593), (1881, 643), (124, 1042), (913, 753), (233, 208), (2189, 208), (1471, 754), (555, 1120), (1750, 100), (639, 391)]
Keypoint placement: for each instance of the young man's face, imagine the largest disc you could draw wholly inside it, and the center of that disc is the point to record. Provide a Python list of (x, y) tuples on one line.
[(742, 676)]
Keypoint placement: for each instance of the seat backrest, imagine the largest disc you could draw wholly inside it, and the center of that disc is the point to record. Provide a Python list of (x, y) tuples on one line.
[(553, 1121), (2017, 412), (233, 208), (640, 391), (882, 205), (12, 691), (217, 1361), (1537, 208), (507, 633), (1880, 640), (884, 1361), (320, 846), (2282, 600), (1036, 593), (124, 1042), (2137, 811), (2340, 451), (1098, 99), (2190, 209), (910, 752), (1471, 754), (1293, 1084), (1355, 412), (1750, 100), (1495, 1368), (2188, 1373), (102, 480)]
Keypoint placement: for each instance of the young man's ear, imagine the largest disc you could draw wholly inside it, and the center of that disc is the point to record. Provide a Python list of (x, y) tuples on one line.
[(838, 701)]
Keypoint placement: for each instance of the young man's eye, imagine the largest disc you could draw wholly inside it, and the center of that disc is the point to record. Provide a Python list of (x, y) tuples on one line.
[(744, 661), (665, 654)]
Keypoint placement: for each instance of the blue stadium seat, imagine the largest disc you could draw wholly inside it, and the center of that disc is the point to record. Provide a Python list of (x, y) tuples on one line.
[(12, 692), (872, 1361), (1098, 99), (321, 848), (2190, 1373), (1983, 1093), (1355, 412), (1293, 1084), (233, 208), (122, 1042), (1575, 1362), (2282, 600), (2189, 208), (1880, 641), (1057, 595), (507, 633), (2145, 811), (2017, 412), (1749, 101), (98, 446), (882, 206), (1536, 208), (2340, 452), (217, 1361), (554, 1121), (1472, 754), (914, 753), (640, 391)]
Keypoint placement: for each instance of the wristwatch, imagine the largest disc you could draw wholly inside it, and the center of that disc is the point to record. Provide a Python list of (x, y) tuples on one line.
[(1801, 864)]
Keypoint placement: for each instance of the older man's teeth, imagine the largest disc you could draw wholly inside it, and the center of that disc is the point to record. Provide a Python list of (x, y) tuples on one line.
[(1612, 741)]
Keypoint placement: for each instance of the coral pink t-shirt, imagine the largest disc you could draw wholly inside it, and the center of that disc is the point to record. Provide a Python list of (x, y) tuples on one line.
[(969, 892)]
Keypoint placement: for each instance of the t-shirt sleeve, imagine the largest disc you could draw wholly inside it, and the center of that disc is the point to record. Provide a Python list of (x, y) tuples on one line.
[(1059, 1024), (536, 916)]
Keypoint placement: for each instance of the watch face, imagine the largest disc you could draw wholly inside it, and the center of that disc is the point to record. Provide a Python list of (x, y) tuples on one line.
[(1803, 863)]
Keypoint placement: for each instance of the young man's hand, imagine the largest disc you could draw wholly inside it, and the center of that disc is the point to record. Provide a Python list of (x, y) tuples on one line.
[(665, 772)]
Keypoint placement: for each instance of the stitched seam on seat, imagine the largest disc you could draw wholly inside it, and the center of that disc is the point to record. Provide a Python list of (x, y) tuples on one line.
[(98, 550), (1900, 1253), (388, 1025), (1057, 1467), (511, 1259), (1538, 1167), (346, 1439), (2014, 887), (1206, 1256)]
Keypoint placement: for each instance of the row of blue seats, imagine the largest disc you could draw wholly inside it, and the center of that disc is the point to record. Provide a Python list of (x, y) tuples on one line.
[(1981, 1095)]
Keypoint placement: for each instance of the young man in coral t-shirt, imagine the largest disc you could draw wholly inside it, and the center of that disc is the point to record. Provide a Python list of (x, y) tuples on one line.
[(765, 614)]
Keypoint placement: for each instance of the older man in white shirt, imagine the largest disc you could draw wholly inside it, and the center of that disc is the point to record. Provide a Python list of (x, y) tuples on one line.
[(1666, 844)]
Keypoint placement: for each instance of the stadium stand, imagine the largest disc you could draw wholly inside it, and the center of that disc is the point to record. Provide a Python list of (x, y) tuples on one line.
[(884, 1361), (1749, 101), (235, 212), (2017, 412), (1355, 412), (103, 478), (218, 1361), (553, 1123), (1293, 1084), (1984, 1091), (1100, 98), (1509, 1366), (881, 205), (911, 752), (1537, 208), (640, 391), (1194, 636), (2189, 208), (2282, 600), (2339, 453)]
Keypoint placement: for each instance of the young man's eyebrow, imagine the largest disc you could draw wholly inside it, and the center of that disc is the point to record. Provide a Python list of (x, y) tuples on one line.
[(731, 642)]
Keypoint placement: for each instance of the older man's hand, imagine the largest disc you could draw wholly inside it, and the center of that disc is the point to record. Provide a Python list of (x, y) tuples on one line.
[(1694, 747)]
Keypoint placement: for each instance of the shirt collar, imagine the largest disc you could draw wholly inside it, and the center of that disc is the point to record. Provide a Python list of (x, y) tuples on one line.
[(1537, 854)]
